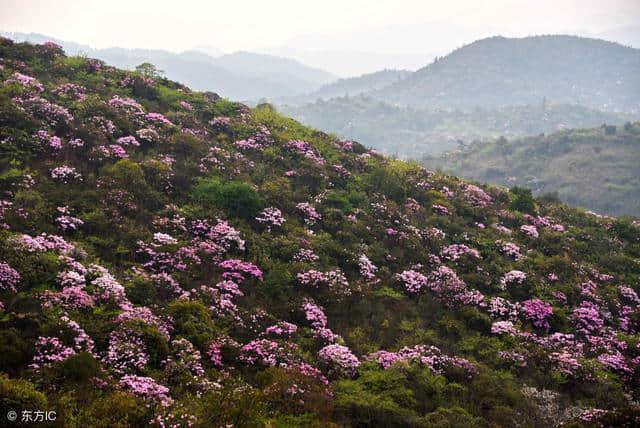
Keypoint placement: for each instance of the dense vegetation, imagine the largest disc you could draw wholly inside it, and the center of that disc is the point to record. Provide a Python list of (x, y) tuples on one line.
[(598, 169), (173, 259), (499, 71), (412, 133)]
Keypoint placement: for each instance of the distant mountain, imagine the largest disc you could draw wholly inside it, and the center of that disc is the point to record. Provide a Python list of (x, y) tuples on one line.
[(241, 75), (499, 71), (275, 69), (411, 133), (351, 86), (596, 168)]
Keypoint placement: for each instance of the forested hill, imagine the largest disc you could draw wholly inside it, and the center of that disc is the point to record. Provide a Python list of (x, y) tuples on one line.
[(169, 258), (348, 87), (596, 168), (412, 133), (499, 71)]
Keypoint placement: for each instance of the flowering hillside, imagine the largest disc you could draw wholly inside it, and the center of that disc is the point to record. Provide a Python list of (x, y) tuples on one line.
[(169, 258)]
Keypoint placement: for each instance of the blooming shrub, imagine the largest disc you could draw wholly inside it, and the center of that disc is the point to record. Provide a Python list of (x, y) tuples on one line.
[(530, 231), (512, 277), (339, 360), (9, 277), (270, 217), (65, 174), (538, 312), (334, 280), (429, 356), (50, 350), (147, 389), (311, 216), (455, 251)]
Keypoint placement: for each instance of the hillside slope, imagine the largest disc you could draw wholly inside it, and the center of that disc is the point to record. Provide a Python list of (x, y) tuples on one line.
[(172, 259), (499, 71), (586, 167)]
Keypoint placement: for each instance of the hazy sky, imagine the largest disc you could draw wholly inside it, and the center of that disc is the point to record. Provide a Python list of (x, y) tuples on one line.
[(417, 27)]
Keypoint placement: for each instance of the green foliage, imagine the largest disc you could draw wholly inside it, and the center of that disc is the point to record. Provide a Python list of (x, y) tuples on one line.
[(523, 200), (115, 410), (192, 321), (18, 394), (235, 198)]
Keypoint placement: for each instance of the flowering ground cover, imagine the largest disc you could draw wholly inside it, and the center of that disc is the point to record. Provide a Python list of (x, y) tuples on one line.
[(173, 259)]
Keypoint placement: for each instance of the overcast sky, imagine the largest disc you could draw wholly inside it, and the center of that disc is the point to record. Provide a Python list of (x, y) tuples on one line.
[(400, 27)]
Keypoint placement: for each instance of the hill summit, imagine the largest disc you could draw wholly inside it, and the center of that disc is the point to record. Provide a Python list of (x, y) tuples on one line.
[(171, 258), (500, 71)]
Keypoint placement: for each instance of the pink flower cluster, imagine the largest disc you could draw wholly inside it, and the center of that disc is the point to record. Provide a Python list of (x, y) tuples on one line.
[(45, 242), (315, 315), (266, 352), (65, 174), (339, 360), (529, 230), (413, 281), (127, 352), (149, 135), (440, 209), (311, 216), (502, 308), (71, 297), (71, 90), (455, 251), (67, 222), (333, 279), (147, 389), (158, 118), (49, 350), (128, 141), (512, 277), (538, 312), (429, 356), (586, 318), (9, 277), (476, 196), (445, 283), (270, 217), (545, 222), (53, 114), (25, 81), (503, 327), (282, 328), (51, 141), (510, 249), (367, 268), (237, 269), (305, 255), (305, 149)]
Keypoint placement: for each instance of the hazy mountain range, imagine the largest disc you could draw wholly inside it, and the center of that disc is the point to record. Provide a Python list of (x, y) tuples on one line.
[(410, 133), (491, 87)]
